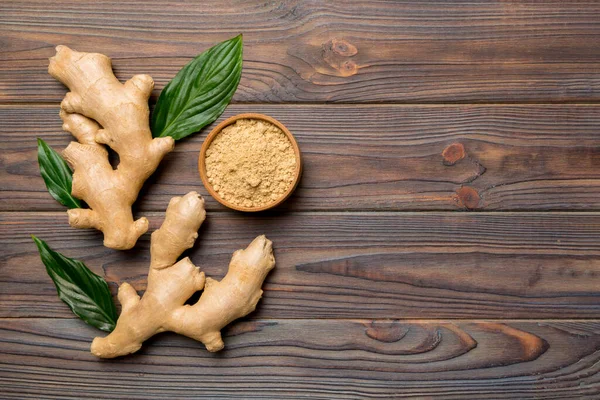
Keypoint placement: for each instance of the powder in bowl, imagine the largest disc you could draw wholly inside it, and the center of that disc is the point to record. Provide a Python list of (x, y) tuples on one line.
[(250, 163)]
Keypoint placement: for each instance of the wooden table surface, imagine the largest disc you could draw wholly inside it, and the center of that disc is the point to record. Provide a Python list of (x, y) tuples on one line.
[(400, 272)]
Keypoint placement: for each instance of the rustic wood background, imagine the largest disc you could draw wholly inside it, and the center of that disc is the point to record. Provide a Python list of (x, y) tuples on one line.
[(401, 272)]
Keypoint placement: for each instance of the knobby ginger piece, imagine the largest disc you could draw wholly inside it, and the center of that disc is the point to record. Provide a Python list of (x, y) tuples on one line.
[(170, 284), (100, 110)]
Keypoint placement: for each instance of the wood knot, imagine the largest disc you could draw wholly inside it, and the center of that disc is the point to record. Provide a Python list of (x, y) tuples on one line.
[(343, 48), (453, 153), (387, 332), (247, 327), (348, 68), (468, 197), (336, 52), (531, 346)]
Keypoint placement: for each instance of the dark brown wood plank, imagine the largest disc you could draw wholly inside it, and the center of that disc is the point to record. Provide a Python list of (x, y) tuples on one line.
[(533, 157), (335, 51), (345, 265), (319, 359)]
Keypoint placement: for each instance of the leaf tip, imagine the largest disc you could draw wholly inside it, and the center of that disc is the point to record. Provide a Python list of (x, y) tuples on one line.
[(36, 240), (239, 40)]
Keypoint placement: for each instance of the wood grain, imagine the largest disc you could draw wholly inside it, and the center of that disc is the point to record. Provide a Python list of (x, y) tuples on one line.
[(320, 359), (345, 265), (533, 157), (369, 298), (335, 51)]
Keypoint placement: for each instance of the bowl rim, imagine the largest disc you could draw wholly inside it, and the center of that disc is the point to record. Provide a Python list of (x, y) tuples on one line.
[(213, 134)]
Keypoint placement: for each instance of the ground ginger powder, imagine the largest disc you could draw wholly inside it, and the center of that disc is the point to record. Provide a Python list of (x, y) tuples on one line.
[(251, 163)]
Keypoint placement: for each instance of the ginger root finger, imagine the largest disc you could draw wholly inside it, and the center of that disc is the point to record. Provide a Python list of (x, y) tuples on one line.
[(101, 110), (171, 284), (235, 296)]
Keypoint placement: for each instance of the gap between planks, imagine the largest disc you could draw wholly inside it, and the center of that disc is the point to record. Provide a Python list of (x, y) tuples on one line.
[(273, 213), (367, 320), (340, 104)]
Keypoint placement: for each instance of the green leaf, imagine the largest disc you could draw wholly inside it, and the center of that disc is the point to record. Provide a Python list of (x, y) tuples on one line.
[(57, 175), (86, 293), (199, 92)]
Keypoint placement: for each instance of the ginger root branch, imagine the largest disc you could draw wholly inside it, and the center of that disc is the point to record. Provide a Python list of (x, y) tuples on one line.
[(171, 284), (98, 111)]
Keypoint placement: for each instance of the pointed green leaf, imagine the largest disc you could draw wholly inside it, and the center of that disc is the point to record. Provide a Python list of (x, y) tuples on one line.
[(57, 175), (200, 92), (86, 293)]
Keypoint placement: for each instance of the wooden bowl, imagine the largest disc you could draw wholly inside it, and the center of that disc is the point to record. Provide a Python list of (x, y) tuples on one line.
[(217, 130)]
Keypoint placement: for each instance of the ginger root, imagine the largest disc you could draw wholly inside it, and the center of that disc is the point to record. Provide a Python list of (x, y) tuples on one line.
[(100, 110), (171, 284)]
